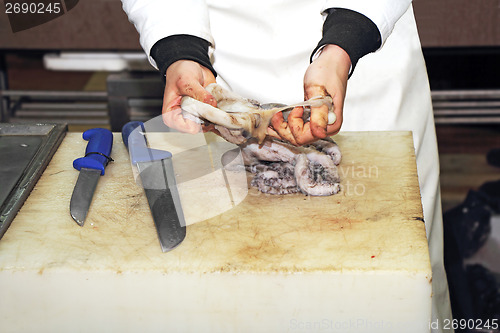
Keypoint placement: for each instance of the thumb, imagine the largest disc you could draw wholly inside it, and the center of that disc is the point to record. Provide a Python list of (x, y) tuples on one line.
[(195, 90), (319, 115)]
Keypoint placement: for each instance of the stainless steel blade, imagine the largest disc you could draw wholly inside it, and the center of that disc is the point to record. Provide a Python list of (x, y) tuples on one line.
[(83, 193), (163, 197)]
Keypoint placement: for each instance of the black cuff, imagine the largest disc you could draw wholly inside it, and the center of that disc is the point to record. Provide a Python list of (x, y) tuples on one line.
[(352, 31), (168, 50)]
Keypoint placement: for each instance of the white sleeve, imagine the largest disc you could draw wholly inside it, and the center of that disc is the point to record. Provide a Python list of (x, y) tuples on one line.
[(384, 13), (157, 19)]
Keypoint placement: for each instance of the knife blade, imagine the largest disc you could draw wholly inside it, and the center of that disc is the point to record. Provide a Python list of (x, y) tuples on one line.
[(158, 181), (91, 168)]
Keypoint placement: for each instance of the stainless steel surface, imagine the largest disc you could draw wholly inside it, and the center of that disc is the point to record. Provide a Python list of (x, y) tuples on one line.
[(16, 152), (26, 129), (82, 194), (4, 85), (59, 95), (468, 121), (41, 140), (72, 107), (158, 181), (64, 106), (479, 107), (465, 94)]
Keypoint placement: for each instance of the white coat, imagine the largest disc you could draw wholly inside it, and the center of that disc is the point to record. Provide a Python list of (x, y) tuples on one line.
[(261, 50)]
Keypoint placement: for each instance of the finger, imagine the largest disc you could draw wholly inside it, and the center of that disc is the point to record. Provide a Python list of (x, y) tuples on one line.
[(171, 112), (319, 121), (171, 101), (332, 129), (338, 106), (319, 115), (193, 88), (300, 130), (272, 133), (175, 120), (281, 127)]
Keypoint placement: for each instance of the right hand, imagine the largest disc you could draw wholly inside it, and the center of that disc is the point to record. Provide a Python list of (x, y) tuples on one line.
[(326, 76), (185, 78)]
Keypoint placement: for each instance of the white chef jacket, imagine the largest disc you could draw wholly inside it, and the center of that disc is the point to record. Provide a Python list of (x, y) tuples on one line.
[(261, 49)]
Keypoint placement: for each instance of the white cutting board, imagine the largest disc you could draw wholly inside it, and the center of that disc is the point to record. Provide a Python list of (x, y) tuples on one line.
[(353, 262)]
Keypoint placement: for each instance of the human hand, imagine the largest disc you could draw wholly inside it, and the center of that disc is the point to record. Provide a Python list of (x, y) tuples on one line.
[(185, 78), (326, 75)]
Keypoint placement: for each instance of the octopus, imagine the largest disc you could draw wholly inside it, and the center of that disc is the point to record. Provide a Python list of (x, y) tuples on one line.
[(237, 119), (278, 167)]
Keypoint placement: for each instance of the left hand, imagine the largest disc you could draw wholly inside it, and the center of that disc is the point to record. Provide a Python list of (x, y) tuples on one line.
[(326, 76), (185, 78)]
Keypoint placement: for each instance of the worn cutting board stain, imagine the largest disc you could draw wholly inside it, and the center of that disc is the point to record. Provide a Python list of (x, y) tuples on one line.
[(374, 224)]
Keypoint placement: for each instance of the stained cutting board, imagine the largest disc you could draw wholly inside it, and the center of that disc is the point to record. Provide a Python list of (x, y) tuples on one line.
[(357, 260)]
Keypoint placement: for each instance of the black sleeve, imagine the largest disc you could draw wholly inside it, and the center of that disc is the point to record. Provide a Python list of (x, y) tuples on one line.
[(168, 50), (352, 31)]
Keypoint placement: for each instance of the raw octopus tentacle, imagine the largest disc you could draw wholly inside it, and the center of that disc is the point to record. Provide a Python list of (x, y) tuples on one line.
[(242, 118), (315, 173), (233, 136), (328, 147), (279, 167), (316, 179), (275, 178)]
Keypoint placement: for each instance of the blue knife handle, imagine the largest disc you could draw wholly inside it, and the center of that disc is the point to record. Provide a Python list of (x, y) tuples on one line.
[(97, 151), (128, 128), (135, 141)]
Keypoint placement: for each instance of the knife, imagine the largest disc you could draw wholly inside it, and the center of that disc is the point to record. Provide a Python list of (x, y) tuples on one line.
[(158, 180), (91, 168)]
